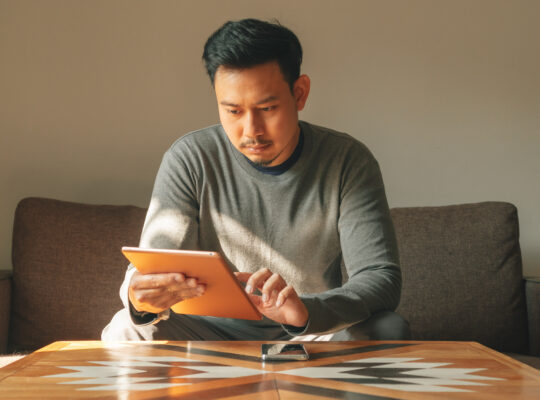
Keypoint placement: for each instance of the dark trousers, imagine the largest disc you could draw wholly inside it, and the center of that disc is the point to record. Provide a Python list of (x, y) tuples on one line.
[(384, 325)]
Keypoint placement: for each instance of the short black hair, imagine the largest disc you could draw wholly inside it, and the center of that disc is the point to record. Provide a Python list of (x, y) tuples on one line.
[(250, 42)]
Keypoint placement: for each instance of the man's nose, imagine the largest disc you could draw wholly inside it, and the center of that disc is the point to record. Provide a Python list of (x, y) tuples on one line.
[(253, 126)]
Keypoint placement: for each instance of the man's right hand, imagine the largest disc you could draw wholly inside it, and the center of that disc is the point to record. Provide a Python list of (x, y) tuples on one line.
[(158, 292)]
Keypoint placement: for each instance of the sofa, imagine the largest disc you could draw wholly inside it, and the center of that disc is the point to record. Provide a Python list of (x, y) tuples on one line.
[(461, 266)]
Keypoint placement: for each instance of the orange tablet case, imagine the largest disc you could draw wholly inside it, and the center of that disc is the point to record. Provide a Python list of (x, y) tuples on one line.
[(223, 297)]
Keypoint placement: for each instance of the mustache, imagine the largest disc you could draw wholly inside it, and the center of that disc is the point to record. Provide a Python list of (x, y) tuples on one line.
[(252, 142)]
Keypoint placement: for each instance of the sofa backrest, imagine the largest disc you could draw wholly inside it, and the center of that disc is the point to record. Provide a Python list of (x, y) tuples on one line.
[(462, 274), (461, 265), (67, 269)]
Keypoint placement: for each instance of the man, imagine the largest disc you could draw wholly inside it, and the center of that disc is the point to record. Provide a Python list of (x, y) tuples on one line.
[(287, 203)]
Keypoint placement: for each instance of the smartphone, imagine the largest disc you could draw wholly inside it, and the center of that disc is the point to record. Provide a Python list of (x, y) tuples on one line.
[(284, 351)]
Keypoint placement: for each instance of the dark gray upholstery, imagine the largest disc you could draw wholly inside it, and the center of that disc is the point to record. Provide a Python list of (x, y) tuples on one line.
[(67, 269), (462, 274), (533, 309), (461, 268), (5, 305)]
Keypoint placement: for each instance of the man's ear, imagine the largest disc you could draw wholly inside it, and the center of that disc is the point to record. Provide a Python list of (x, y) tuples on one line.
[(301, 91)]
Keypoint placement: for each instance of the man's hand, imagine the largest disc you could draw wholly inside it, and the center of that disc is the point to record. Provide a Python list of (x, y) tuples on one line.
[(278, 301), (157, 292)]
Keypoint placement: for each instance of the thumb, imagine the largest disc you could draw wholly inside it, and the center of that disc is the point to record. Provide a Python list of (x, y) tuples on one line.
[(242, 276)]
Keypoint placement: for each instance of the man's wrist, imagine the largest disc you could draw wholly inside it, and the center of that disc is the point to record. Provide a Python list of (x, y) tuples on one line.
[(145, 317), (295, 330)]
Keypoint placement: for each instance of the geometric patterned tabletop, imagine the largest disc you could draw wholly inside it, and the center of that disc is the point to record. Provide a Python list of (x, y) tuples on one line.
[(234, 370)]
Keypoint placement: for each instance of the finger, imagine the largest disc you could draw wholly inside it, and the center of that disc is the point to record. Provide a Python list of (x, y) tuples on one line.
[(154, 281), (142, 299), (190, 282), (242, 276), (169, 298), (257, 301), (257, 279), (270, 300), (287, 292), (186, 291), (192, 292), (146, 294), (166, 296), (274, 283)]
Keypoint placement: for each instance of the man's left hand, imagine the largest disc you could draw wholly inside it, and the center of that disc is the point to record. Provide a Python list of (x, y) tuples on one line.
[(277, 300)]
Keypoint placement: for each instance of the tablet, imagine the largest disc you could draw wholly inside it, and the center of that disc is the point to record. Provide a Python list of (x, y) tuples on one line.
[(223, 297)]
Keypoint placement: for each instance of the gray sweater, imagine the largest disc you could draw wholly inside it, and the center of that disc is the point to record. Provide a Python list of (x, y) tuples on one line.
[(327, 211)]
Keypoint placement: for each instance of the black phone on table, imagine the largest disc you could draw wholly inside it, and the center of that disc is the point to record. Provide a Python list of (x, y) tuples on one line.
[(284, 351)]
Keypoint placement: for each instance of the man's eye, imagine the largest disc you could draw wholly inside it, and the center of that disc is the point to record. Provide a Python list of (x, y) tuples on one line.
[(232, 111), (269, 108)]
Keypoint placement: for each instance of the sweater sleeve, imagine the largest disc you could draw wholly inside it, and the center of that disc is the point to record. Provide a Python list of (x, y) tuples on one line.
[(369, 252), (172, 219)]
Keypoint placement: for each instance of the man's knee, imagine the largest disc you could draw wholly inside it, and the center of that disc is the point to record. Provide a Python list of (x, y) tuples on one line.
[(384, 325), (122, 328), (389, 325)]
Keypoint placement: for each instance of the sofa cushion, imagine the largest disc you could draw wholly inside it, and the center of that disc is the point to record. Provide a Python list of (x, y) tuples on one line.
[(5, 305), (462, 274), (67, 269)]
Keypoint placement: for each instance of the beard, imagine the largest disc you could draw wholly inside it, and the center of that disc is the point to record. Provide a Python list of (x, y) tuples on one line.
[(259, 161), (263, 163)]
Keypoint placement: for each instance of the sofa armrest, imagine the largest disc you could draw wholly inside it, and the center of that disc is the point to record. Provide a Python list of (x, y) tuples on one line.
[(5, 307), (532, 290)]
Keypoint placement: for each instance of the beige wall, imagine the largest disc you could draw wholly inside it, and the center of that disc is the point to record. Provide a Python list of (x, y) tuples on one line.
[(445, 93)]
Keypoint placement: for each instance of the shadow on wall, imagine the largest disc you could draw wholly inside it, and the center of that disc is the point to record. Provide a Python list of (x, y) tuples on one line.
[(531, 262)]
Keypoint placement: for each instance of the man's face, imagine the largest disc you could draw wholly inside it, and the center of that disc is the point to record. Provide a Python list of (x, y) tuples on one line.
[(259, 112)]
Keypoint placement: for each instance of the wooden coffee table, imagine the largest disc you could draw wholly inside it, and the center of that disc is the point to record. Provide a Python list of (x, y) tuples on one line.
[(208, 370)]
